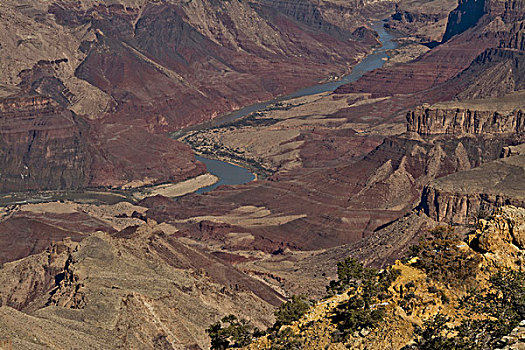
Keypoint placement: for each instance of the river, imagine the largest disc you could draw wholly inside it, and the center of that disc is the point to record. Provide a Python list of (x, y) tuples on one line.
[(230, 174), (227, 173)]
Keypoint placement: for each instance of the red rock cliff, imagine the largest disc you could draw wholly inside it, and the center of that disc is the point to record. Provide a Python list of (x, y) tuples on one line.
[(458, 121)]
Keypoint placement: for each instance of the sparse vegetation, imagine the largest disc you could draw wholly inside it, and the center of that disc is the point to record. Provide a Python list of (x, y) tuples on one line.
[(435, 334), (355, 315), (230, 332), (502, 306), (201, 141), (285, 339), (292, 310), (363, 310), (482, 213), (367, 288), (350, 273), (498, 308), (445, 258), (214, 149), (492, 309)]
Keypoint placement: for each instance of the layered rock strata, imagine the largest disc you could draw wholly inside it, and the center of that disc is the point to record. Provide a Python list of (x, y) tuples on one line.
[(45, 146), (434, 121), (464, 196), (41, 145), (119, 73)]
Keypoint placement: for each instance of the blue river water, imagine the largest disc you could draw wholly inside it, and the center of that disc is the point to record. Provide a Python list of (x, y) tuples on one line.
[(227, 173), (230, 174)]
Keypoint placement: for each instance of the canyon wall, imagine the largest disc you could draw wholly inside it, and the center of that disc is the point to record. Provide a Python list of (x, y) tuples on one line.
[(45, 146), (41, 146), (464, 196), (465, 16), (105, 292), (187, 63), (458, 121), (452, 206), (122, 74), (494, 73), (509, 10), (479, 54)]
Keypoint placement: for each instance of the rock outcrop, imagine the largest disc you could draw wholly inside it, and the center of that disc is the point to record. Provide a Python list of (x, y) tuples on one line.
[(423, 290), (465, 16), (464, 196), (508, 10), (423, 21), (515, 340), (426, 120), (494, 73), (46, 146), (503, 233), (41, 145), (37, 275)]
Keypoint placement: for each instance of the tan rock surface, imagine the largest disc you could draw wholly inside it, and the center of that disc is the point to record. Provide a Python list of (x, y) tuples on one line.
[(178, 189), (137, 289), (416, 296), (461, 196)]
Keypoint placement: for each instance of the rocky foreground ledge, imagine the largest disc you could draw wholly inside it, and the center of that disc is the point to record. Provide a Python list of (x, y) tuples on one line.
[(425, 301)]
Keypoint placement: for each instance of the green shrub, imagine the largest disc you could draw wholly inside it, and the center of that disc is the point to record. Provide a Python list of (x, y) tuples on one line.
[(502, 304), (434, 335), (500, 308), (368, 287), (355, 315), (441, 257), (230, 332), (292, 310), (349, 273), (285, 339)]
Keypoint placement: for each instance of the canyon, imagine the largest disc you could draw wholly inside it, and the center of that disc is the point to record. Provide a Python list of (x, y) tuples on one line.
[(118, 76), (111, 98)]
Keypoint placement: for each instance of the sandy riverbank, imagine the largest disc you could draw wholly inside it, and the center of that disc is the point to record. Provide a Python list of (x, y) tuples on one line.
[(178, 189)]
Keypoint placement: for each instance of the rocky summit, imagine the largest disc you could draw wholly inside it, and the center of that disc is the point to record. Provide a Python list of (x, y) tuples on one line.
[(262, 174)]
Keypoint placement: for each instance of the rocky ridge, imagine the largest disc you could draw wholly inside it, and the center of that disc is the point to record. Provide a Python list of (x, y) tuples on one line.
[(328, 163), (462, 196), (320, 161), (138, 288), (515, 339), (46, 138), (435, 121), (495, 246), (424, 21)]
